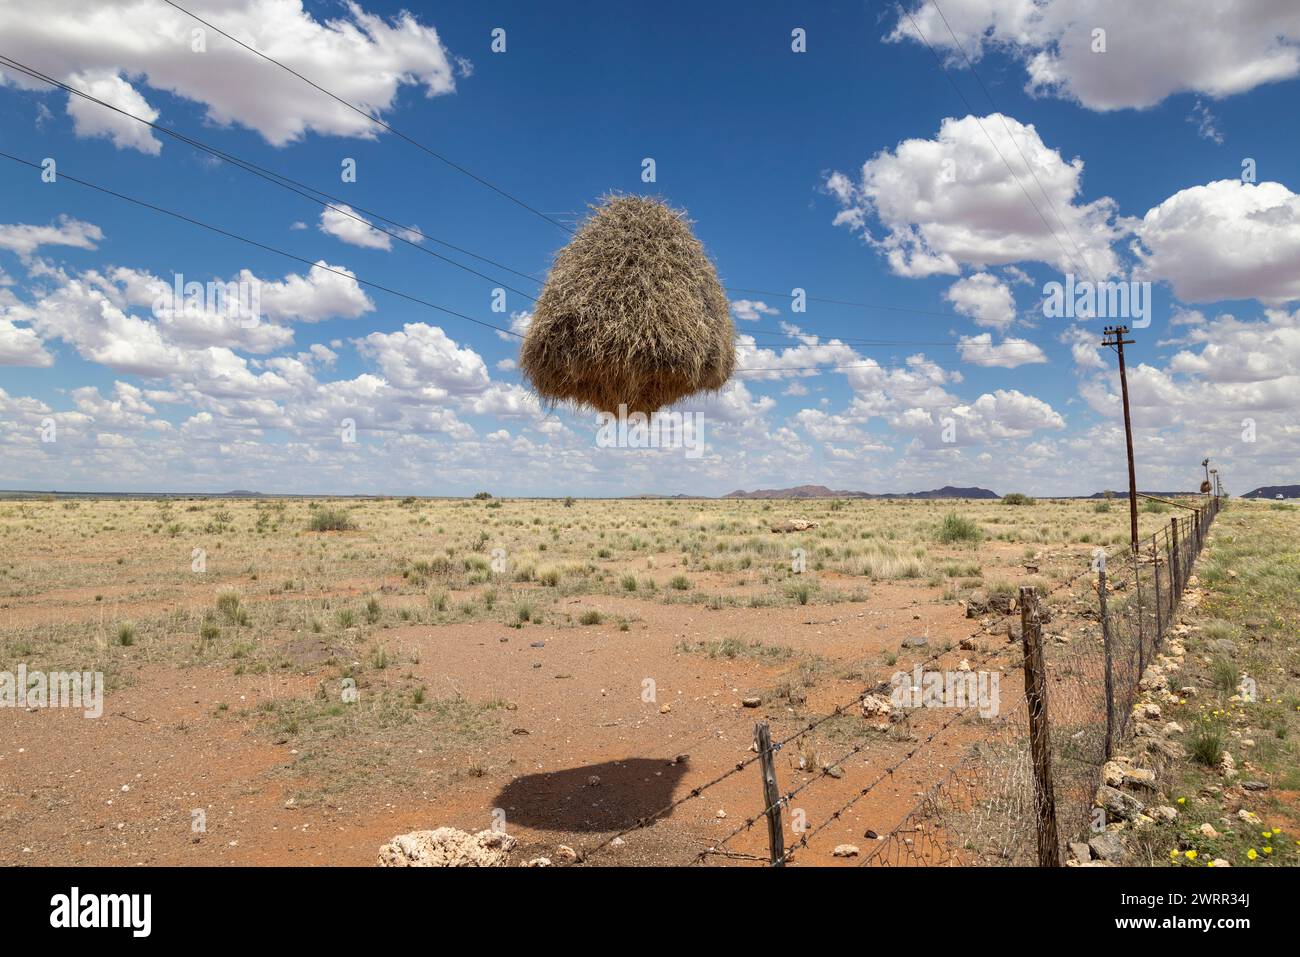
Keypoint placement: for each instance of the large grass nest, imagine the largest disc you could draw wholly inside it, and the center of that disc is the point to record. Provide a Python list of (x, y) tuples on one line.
[(632, 314)]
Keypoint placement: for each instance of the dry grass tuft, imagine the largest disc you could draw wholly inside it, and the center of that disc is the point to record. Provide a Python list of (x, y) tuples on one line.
[(632, 313)]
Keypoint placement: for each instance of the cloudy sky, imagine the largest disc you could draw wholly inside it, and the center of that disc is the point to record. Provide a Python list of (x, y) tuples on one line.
[(922, 173)]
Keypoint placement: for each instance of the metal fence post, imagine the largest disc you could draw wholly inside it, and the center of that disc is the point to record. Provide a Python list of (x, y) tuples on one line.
[(1049, 850), (771, 794), (1106, 647)]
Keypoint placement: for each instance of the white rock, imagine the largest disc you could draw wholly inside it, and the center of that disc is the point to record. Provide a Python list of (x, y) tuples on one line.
[(447, 847)]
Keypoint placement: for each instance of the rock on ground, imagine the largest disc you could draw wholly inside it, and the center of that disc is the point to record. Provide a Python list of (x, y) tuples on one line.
[(447, 847)]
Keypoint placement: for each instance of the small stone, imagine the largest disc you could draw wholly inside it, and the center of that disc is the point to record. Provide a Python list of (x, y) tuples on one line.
[(721, 815), (845, 850), (1108, 846), (665, 708), (1118, 803), (1139, 777), (877, 707), (1255, 785), (1250, 817), (593, 780), (915, 642), (751, 702), (1081, 851), (538, 862), (566, 853), (1165, 813), (1207, 831)]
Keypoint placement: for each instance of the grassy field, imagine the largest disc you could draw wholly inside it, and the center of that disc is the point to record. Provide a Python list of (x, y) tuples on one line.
[(1243, 669), (360, 667)]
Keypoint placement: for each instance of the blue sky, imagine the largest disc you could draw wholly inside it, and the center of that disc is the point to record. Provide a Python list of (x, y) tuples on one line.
[(823, 170)]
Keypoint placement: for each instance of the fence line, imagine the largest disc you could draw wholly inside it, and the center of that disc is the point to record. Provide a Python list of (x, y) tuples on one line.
[(986, 810), (1026, 787)]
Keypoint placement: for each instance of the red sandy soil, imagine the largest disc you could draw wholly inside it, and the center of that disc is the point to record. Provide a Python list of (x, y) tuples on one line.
[(121, 789)]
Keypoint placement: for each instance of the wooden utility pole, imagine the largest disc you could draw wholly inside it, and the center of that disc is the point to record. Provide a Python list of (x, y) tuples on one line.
[(1114, 336)]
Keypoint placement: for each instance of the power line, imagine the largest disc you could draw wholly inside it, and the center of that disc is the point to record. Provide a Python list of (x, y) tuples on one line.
[(388, 289), (347, 209), (479, 179), (992, 142), (297, 187), (1014, 141), (1029, 347), (294, 186), (378, 122), (252, 242)]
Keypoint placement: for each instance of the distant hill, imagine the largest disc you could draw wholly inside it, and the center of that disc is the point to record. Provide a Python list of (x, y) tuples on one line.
[(1274, 491), (821, 491)]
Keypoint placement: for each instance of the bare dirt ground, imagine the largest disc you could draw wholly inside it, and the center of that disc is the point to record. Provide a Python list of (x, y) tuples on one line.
[(548, 663)]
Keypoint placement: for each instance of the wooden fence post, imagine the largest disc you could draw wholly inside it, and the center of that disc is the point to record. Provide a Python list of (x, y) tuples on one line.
[(771, 794), (1175, 573), (1142, 631), (1160, 628), (1031, 637), (1106, 647)]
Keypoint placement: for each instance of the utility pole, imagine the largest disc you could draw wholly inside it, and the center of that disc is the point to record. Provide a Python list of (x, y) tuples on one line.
[(1114, 336)]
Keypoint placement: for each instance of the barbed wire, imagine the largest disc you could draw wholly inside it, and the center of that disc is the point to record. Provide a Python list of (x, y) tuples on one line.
[(824, 772), (986, 627)]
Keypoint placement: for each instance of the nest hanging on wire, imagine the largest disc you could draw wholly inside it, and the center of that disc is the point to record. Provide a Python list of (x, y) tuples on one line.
[(631, 314)]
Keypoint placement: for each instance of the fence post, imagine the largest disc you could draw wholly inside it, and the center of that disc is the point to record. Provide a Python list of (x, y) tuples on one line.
[(1106, 647), (1175, 573), (1155, 558), (771, 795), (1142, 631), (1049, 851)]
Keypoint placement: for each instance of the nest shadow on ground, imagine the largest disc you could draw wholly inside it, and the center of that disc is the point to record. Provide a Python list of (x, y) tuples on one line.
[(595, 797)]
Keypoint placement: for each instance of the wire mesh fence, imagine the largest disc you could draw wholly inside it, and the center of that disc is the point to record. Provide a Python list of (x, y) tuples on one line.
[(991, 808), (1025, 786)]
